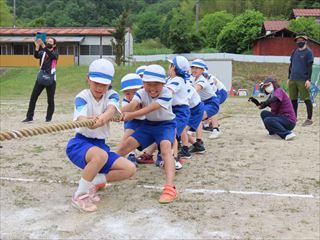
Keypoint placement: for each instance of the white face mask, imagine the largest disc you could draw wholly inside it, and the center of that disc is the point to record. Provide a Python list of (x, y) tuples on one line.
[(269, 89)]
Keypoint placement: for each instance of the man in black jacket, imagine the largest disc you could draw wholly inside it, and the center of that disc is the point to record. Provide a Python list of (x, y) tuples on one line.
[(48, 61)]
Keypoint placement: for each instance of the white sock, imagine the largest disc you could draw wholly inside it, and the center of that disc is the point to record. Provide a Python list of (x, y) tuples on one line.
[(100, 178), (206, 124), (83, 187)]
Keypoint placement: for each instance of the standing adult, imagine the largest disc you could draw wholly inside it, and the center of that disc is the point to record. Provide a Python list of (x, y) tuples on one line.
[(300, 71), (48, 61)]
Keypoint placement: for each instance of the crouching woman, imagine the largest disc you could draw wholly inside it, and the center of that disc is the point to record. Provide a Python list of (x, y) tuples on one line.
[(282, 119)]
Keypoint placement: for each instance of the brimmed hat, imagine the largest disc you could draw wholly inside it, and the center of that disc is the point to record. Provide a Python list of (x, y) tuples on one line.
[(131, 81), (141, 69), (154, 73), (301, 35), (101, 71), (199, 63), (181, 63)]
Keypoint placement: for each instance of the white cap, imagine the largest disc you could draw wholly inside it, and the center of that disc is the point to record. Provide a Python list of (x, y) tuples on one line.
[(131, 81), (141, 69), (180, 62), (101, 71), (199, 63), (154, 73)]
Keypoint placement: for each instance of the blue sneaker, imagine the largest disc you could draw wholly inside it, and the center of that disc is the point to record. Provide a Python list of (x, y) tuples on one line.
[(159, 161), (133, 159)]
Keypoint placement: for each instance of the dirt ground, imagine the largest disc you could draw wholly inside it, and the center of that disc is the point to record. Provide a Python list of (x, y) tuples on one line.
[(248, 185)]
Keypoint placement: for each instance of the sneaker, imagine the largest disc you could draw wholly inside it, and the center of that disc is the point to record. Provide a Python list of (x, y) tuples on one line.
[(27, 120), (133, 159), (93, 194), (215, 134), (83, 203), (178, 164), (100, 186), (207, 129), (197, 148), (48, 120), (145, 158), (159, 161), (290, 136), (184, 152), (307, 122)]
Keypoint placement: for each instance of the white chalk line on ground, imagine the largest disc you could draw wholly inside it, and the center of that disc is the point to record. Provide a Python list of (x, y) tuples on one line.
[(186, 190)]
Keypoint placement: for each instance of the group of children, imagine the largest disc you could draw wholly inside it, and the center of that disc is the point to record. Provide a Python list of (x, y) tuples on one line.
[(159, 112)]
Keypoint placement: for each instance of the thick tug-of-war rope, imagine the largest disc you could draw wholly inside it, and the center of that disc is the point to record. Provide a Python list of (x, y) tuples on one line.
[(28, 132)]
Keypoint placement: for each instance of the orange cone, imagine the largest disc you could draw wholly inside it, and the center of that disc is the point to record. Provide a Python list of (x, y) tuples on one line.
[(231, 93)]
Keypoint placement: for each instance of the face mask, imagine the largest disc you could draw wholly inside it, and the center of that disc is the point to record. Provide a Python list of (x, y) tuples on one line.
[(301, 44), (49, 45), (269, 89)]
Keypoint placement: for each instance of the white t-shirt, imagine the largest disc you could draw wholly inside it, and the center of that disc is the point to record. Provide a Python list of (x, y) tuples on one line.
[(164, 113), (216, 83), (179, 87), (86, 105), (193, 97), (126, 102), (207, 91)]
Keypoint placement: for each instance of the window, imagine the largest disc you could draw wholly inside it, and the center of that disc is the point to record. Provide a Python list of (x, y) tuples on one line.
[(94, 50), (84, 50), (20, 49), (107, 50)]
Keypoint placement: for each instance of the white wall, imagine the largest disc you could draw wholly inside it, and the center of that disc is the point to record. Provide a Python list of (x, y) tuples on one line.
[(222, 69)]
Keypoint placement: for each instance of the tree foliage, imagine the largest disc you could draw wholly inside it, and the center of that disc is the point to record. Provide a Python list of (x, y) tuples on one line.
[(212, 24), (119, 36), (5, 15), (237, 35), (306, 25)]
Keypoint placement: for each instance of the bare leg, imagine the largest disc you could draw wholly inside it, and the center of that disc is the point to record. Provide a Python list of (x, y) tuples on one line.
[(127, 146), (120, 170), (126, 134), (169, 163)]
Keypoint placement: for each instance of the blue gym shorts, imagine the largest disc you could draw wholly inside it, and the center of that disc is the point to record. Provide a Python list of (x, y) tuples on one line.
[(155, 131), (182, 113), (78, 147), (196, 115), (222, 95), (211, 106), (133, 124)]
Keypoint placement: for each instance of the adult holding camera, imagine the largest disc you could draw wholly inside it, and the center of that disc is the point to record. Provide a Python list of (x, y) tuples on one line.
[(46, 78), (300, 71)]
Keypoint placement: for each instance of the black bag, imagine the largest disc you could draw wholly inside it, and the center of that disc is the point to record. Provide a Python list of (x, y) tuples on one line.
[(44, 78)]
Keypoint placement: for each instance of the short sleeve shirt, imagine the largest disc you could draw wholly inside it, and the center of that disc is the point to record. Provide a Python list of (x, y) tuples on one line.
[(164, 113), (126, 102), (300, 60), (178, 86), (86, 105), (207, 91), (193, 97)]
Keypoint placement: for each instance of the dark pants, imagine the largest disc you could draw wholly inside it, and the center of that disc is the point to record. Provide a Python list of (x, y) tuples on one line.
[(37, 90), (276, 124)]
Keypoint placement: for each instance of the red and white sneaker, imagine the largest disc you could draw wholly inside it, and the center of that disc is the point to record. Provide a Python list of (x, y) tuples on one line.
[(101, 186), (83, 203)]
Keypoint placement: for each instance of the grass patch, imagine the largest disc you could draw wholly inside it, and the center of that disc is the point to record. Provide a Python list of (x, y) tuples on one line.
[(17, 83)]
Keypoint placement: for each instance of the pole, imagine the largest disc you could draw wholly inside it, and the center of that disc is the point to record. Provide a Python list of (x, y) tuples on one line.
[(197, 15), (14, 13)]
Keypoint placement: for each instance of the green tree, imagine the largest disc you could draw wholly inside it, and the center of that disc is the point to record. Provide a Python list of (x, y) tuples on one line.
[(119, 36), (212, 24), (5, 15), (147, 26), (237, 35), (307, 25)]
